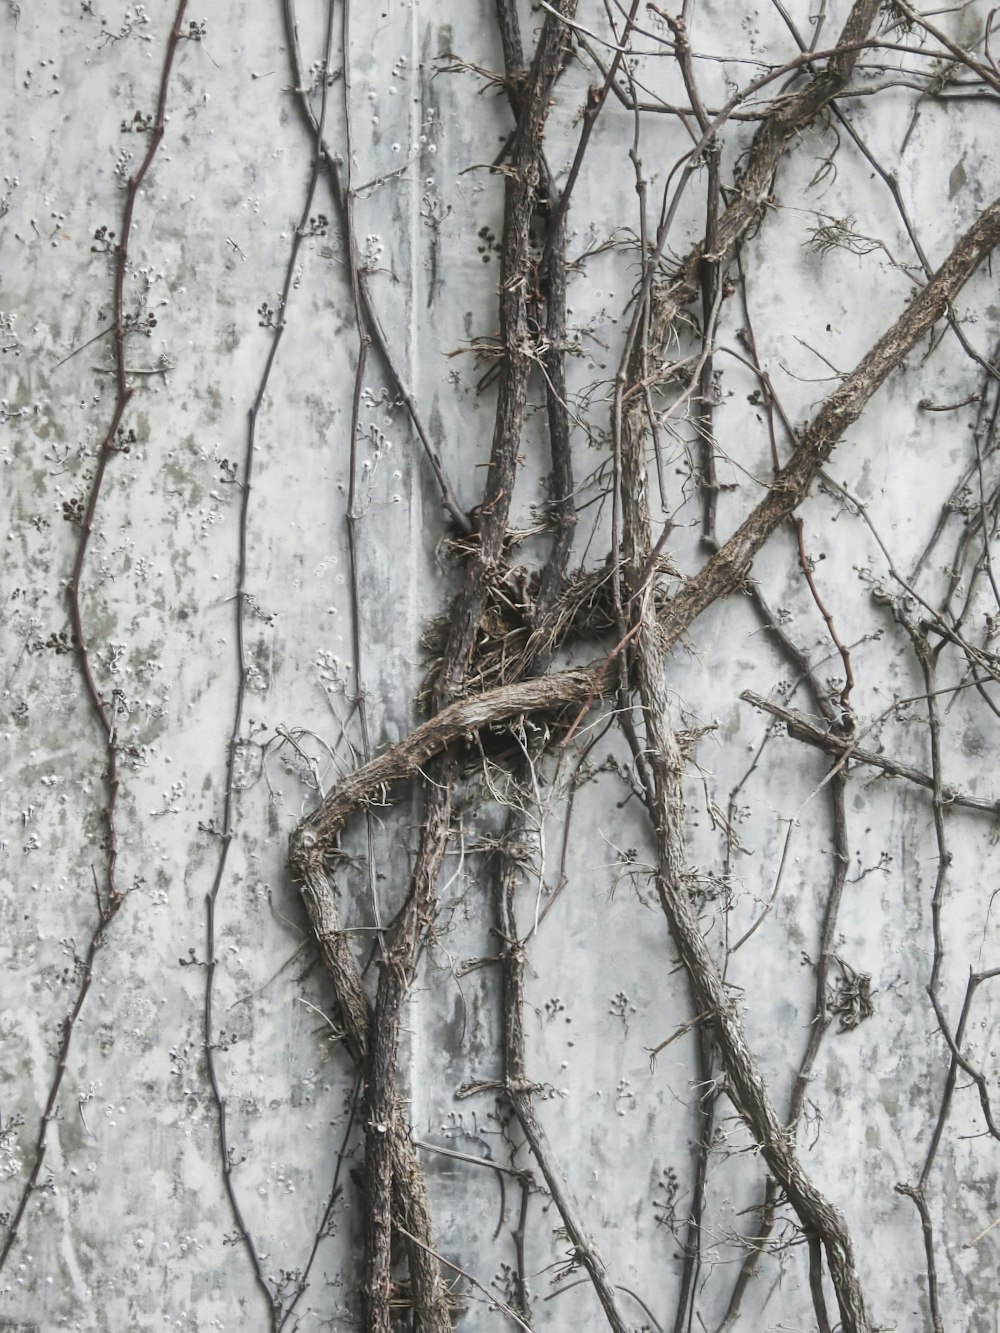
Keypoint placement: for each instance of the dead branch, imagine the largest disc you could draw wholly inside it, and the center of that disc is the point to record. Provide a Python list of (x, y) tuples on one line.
[(784, 124), (801, 728)]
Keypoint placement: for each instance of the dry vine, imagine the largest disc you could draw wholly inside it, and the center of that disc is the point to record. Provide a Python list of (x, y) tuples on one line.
[(551, 640), (647, 627), (101, 702)]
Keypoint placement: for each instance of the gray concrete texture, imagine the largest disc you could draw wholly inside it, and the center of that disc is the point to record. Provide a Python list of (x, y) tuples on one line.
[(129, 1224)]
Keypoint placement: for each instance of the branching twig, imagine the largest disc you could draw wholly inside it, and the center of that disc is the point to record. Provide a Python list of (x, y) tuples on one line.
[(227, 832), (800, 728), (110, 899)]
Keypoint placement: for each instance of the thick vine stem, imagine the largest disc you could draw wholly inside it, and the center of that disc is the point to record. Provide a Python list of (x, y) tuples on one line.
[(521, 191), (746, 1084), (517, 1085), (385, 1128), (521, 197), (409, 1192), (314, 839), (784, 124), (728, 568), (313, 843), (312, 846)]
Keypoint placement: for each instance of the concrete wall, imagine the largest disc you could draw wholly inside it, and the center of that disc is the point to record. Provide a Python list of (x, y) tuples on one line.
[(130, 1225)]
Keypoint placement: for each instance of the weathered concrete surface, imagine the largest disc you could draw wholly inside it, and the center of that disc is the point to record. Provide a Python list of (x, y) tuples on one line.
[(132, 1227)]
